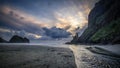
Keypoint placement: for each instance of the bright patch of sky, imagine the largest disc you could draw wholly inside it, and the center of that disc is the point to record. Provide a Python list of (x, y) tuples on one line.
[(32, 16)]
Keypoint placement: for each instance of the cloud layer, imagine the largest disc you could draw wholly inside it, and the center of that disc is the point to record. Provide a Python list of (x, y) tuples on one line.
[(43, 19)]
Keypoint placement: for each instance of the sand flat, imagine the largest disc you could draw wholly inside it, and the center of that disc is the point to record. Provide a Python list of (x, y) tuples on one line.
[(25, 56)]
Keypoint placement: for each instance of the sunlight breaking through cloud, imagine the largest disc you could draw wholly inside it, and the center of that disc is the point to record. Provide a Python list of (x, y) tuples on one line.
[(33, 16)]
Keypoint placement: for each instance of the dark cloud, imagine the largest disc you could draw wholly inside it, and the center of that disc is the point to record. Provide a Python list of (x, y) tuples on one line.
[(47, 34), (56, 32), (33, 18), (11, 13)]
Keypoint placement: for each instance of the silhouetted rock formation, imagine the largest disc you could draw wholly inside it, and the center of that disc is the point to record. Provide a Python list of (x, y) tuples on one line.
[(103, 24), (26, 40), (75, 38), (18, 39), (2, 40)]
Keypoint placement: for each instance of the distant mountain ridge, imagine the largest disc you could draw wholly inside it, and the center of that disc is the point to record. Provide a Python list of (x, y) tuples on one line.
[(103, 24), (18, 39), (15, 39)]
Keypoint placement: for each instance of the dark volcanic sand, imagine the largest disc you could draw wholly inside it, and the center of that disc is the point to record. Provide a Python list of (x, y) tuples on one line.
[(23, 56)]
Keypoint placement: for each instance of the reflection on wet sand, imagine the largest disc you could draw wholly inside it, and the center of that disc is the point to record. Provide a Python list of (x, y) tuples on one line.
[(87, 59)]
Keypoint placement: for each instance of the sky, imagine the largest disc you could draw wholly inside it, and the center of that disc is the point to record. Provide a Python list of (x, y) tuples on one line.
[(43, 19)]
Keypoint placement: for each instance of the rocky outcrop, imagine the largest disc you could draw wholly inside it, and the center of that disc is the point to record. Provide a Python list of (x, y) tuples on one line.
[(2, 40), (103, 24), (75, 38), (26, 40), (18, 39)]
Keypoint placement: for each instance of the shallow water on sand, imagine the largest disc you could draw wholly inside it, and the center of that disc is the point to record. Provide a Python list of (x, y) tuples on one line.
[(87, 59)]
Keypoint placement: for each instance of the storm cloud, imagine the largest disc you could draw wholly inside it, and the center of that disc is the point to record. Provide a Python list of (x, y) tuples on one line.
[(56, 32), (45, 19)]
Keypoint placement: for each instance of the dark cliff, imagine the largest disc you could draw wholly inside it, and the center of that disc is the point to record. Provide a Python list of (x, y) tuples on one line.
[(103, 24), (18, 39), (2, 40)]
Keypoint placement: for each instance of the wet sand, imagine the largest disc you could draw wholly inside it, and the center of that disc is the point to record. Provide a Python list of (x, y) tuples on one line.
[(25, 56), (102, 51), (94, 57)]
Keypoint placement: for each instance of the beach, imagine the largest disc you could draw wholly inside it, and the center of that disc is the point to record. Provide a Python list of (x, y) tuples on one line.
[(59, 56), (35, 56)]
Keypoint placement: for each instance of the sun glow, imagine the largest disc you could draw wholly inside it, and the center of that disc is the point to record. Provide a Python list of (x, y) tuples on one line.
[(37, 36), (69, 20)]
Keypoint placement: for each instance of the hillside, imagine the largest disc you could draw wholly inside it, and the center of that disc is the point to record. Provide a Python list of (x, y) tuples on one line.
[(103, 24)]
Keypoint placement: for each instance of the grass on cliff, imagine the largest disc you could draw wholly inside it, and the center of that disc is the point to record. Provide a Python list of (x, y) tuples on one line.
[(107, 32)]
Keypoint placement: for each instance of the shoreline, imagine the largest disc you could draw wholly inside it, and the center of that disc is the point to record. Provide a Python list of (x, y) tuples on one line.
[(69, 43), (102, 51)]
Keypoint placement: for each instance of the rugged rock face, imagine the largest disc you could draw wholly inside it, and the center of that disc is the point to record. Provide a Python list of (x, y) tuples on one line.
[(2, 40), (75, 38), (18, 39), (103, 24)]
